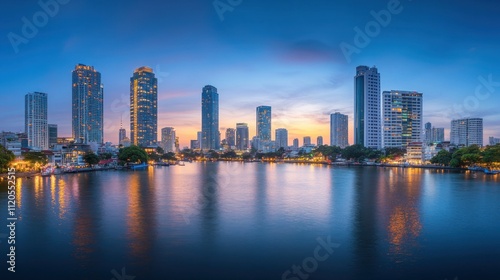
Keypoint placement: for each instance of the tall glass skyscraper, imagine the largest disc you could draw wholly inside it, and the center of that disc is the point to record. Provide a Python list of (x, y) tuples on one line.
[(143, 107), (264, 123), (231, 137), (210, 138), (35, 120), (367, 122), (339, 131), (87, 99)]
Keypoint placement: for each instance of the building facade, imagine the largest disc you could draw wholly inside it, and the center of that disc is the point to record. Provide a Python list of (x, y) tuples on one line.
[(281, 138), (402, 118), (263, 122), (35, 120), (494, 141), (339, 130), (231, 137), (52, 135), (367, 121), (467, 132), (87, 105), (168, 139), (143, 107), (307, 141), (210, 118), (242, 136)]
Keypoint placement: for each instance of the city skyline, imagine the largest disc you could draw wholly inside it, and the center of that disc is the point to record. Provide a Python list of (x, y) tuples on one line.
[(298, 69)]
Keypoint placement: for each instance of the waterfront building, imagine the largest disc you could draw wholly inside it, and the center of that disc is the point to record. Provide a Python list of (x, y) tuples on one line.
[(52, 135), (210, 118), (35, 120), (87, 105), (467, 132), (281, 138), (231, 137), (143, 107), (414, 153), (168, 139), (242, 136), (367, 121), (319, 141), (402, 118), (339, 130)]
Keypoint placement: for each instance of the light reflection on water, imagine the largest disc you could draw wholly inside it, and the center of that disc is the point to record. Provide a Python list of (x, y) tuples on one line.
[(223, 220)]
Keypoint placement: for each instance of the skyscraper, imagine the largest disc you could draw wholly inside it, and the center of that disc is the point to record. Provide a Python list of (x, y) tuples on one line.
[(242, 136), (52, 134), (231, 137), (296, 143), (168, 139), (143, 107), (339, 130), (367, 121), (319, 141), (210, 118), (467, 132), (35, 120), (437, 135), (281, 138), (428, 133), (264, 123), (402, 113), (307, 140), (122, 134), (87, 105)]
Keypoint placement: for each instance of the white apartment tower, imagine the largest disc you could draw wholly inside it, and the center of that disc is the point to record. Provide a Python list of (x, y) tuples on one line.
[(467, 132), (367, 123)]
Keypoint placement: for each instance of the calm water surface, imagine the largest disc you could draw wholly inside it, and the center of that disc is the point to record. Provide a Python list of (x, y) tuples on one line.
[(256, 221)]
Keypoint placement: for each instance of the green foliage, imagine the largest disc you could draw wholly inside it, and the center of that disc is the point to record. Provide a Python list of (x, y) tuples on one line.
[(229, 155), (355, 152), (443, 157), (36, 157), (246, 156), (105, 156), (491, 155), (328, 151), (91, 159), (6, 157), (160, 151), (133, 154), (169, 156)]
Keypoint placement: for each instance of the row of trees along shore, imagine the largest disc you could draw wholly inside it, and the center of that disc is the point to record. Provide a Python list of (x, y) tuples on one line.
[(458, 158)]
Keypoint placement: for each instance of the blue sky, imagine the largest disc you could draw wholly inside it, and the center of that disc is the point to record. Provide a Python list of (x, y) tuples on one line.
[(285, 54)]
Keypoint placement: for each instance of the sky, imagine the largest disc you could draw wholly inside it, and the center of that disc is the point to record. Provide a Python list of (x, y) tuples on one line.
[(297, 56)]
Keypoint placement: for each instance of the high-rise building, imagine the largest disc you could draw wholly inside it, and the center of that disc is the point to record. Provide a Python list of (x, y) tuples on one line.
[(143, 107), (199, 136), (428, 133), (87, 105), (168, 139), (194, 145), (122, 134), (35, 120), (367, 123), (339, 130), (437, 135), (402, 118), (307, 140), (494, 141), (264, 123), (319, 141), (52, 135), (231, 137), (296, 143), (210, 118), (281, 138), (242, 136), (467, 132)]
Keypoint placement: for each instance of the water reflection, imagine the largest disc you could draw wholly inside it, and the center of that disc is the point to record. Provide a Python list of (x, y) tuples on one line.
[(208, 195)]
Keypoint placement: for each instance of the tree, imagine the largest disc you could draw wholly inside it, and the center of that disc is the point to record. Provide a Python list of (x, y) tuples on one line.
[(36, 157), (246, 156), (229, 154), (466, 156), (105, 156), (213, 154), (160, 151), (91, 159), (6, 157), (443, 157), (169, 156), (355, 152), (491, 155), (133, 154)]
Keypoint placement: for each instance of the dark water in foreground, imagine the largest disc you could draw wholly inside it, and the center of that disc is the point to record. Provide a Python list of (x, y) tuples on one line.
[(256, 221)]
